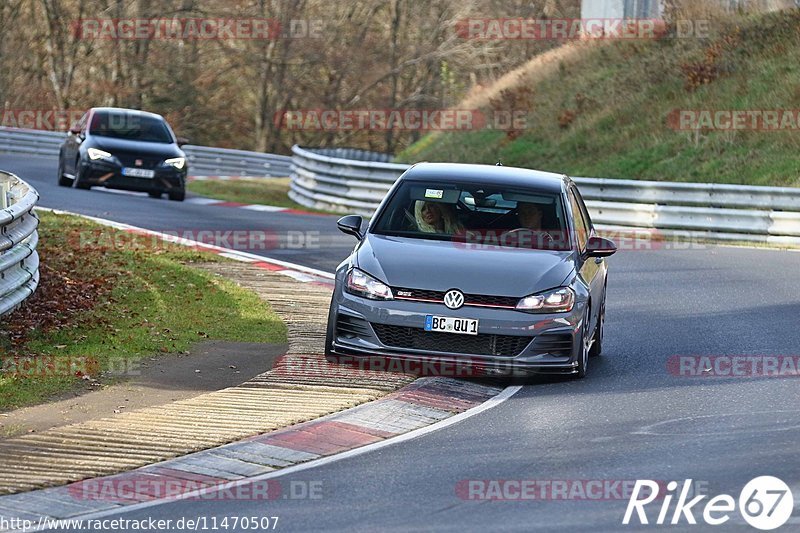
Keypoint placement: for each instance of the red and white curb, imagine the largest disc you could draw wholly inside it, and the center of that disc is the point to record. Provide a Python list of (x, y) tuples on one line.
[(248, 468), (292, 270)]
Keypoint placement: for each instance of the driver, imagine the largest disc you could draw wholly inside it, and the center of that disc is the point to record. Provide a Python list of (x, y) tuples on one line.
[(530, 232)]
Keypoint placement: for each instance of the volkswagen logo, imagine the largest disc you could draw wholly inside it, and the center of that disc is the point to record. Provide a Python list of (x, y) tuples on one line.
[(454, 299)]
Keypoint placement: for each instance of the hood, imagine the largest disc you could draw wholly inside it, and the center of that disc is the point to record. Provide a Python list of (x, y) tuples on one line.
[(438, 265), (145, 149)]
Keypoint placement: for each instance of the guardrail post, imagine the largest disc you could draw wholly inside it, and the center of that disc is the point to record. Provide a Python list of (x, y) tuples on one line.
[(5, 188)]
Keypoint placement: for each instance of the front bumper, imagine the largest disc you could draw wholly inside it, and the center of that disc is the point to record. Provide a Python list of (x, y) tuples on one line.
[(510, 342), (109, 174)]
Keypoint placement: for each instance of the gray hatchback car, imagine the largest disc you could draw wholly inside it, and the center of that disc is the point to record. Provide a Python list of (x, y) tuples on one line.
[(492, 269)]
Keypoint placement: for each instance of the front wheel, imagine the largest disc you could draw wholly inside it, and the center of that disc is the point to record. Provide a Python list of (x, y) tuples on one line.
[(583, 347), (177, 196), (79, 182), (597, 345), (63, 181)]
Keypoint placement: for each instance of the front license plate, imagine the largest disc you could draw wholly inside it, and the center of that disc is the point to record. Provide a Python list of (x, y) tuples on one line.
[(446, 324), (138, 172)]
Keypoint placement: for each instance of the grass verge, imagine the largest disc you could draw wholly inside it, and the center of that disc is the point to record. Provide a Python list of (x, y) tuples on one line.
[(106, 299), (272, 191), (613, 109)]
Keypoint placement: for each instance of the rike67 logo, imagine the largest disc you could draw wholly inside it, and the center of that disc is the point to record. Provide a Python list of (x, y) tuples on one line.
[(766, 503)]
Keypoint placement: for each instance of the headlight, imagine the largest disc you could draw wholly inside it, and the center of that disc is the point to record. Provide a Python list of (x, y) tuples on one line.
[(177, 162), (95, 154), (556, 301), (362, 284)]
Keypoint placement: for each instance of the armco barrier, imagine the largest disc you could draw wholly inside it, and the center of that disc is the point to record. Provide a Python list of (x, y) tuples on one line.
[(203, 160), (19, 262), (354, 181)]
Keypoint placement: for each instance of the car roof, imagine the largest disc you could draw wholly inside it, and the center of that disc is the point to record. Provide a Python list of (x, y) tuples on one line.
[(127, 111), (486, 175)]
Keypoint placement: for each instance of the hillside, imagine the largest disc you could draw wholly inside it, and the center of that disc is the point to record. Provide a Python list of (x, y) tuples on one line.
[(609, 110)]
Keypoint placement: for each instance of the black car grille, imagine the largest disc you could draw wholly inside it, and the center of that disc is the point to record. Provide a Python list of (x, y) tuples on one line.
[(554, 344), (469, 299), (128, 160), (352, 327), (481, 344)]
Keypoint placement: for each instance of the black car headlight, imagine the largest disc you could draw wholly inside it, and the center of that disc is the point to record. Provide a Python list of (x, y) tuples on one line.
[(362, 284), (97, 154), (555, 301)]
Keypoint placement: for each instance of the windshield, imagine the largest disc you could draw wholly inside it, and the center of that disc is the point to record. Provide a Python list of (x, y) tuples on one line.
[(130, 126), (476, 215)]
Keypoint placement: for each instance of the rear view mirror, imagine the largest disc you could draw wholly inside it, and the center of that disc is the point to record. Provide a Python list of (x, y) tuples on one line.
[(600, 247), (351, 224)]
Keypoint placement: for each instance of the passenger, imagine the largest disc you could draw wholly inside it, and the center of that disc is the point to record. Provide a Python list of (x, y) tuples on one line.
[(435, 217)]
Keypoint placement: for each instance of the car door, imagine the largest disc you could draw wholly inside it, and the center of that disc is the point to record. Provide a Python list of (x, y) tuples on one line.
[(591, 270)]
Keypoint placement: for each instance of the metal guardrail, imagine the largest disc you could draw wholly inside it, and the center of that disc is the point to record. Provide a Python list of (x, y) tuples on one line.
[(19, 262), (203, 160), (769, 215)]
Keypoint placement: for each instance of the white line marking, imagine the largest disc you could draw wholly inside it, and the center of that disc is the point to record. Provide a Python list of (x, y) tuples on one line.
[(202, 201), (271, 208), (504, 395), (232, 254)]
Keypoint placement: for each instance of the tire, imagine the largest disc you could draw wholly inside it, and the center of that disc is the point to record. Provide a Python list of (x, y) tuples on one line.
[(177, 196), (597, 346), (63, 181), (329, 355), (154, 194), (583, 356), (78, 183)]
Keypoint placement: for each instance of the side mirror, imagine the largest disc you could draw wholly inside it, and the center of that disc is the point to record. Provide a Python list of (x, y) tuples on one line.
[(182, 140), (351, 224), (75, 130), (600, 247)]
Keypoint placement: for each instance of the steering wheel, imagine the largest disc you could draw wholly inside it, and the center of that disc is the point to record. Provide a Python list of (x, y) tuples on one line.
[(542, 237)]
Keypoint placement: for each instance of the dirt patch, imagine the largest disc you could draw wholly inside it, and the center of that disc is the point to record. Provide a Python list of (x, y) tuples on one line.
[(210, 366)]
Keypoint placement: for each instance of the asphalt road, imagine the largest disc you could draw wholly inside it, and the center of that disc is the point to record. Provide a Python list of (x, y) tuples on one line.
[(632, 418), (310, 240)]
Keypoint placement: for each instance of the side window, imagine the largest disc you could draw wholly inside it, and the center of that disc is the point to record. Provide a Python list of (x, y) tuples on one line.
[(586, 217), (581, 228)]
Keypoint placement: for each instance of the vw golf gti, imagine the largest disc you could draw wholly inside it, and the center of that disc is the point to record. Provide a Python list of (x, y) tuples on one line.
[(495, 267)]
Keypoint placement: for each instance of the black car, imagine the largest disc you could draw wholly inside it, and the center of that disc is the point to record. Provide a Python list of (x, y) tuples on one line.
[(123, 149)]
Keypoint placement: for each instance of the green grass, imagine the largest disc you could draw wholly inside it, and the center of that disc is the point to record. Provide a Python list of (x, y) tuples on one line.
[(622, 94), (272, 191), (137, 298)]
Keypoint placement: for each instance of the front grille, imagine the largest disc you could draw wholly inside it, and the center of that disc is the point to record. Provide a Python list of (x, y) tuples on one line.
[(128, 160), (481, 344), (469, 299), (352, 327), (554, 344)]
